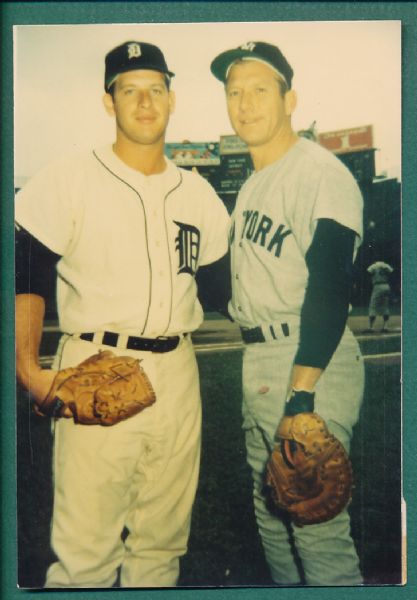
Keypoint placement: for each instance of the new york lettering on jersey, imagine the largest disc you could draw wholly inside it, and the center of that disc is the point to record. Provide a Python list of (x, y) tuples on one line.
[(260, 229)]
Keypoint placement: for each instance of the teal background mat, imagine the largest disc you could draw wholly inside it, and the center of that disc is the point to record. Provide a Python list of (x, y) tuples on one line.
[(125, 12)]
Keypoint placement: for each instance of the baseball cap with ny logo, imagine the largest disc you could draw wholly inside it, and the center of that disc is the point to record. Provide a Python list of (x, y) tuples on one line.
[(260, 51)]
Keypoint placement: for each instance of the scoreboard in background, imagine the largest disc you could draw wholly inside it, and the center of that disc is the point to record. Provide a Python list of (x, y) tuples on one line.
[(235, 164), (361, 164), (203, 157), (347, 140), (193, 154), (355, 148), (227, 164)]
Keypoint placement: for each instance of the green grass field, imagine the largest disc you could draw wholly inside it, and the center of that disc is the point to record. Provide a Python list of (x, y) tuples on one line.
[(224, 547)]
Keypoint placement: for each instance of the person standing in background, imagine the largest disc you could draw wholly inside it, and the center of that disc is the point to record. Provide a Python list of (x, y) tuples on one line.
[(379, 303)]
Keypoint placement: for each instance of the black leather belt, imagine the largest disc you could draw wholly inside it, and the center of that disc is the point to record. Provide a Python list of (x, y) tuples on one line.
[(159, 344), (256, 335)]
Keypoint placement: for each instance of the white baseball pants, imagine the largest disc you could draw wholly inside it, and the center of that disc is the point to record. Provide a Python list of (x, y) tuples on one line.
[(140, 474)]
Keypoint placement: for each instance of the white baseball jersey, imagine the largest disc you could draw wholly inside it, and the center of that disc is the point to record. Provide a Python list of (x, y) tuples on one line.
[(130, 244), (273, 225)]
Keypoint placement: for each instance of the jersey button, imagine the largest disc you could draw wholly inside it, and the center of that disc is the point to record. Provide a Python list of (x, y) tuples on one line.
[(237, 276), (239, 308)]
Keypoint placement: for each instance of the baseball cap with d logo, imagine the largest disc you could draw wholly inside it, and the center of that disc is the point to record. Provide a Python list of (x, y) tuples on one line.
[(131, 56), (261, 51)]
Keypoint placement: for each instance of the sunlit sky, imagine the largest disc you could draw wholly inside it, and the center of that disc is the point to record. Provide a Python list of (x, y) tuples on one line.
[(347, 74)]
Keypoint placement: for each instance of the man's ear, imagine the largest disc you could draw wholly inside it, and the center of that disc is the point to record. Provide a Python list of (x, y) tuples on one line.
[(108, 104), (290, 102)]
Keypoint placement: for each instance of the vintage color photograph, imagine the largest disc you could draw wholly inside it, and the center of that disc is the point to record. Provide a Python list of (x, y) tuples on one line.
[(208, 304)]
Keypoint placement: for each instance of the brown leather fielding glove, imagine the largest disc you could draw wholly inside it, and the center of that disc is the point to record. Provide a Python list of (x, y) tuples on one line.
[(309, 472), (102, 390)]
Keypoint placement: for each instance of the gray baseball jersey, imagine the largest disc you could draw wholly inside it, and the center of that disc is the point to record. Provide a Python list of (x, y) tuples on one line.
[(273, 225)]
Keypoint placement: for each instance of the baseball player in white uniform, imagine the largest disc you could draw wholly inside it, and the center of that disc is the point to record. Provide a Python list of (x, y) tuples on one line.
[(380, 296), (296, 227), (126, 231)]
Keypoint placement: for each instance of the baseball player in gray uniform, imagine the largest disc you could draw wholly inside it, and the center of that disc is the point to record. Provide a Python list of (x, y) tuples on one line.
[(296, 227), (380, 296), (128, 233)]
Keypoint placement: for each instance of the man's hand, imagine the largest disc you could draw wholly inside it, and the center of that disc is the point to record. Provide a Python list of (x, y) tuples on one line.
[(103, 389), (39, 382)]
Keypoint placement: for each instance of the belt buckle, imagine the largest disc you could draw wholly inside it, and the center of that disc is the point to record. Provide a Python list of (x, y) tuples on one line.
[(166, 341), (156, 347), (252, 335), (258, 334), (249, 335)]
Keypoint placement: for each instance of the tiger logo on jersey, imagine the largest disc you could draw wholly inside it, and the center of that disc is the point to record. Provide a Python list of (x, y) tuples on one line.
[(187, 243)]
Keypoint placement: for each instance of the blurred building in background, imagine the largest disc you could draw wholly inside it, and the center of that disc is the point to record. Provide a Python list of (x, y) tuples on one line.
[(382, 207)]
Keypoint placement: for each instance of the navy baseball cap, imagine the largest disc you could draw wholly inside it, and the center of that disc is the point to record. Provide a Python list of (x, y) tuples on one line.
[(131, 56), (261, 51)]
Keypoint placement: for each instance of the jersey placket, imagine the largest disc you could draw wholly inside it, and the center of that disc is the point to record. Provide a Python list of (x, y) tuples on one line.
[(161, 288), (239, 263)]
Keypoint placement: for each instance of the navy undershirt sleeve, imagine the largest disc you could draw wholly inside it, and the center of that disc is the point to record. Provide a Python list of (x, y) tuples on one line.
[(326, 303), (35, 266), (214, 285)]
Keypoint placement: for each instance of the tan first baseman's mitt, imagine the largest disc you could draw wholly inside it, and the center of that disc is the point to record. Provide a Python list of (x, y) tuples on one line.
[(102, 390), (309, 471)]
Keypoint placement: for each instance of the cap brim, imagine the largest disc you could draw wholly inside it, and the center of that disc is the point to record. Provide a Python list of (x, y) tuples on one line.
[(137, 68), (221, 63)]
